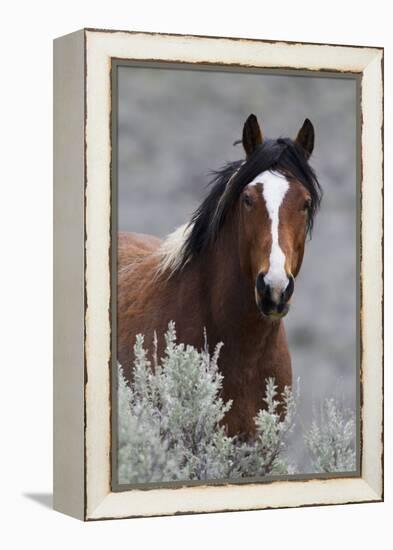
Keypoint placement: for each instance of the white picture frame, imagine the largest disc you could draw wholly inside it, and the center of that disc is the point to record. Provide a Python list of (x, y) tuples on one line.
[(82, 249)]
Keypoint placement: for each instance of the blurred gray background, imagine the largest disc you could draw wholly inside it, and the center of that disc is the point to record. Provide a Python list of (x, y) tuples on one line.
[(174, 126)]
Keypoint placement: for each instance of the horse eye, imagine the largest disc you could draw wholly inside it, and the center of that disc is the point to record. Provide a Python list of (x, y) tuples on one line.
[(307, 205), (247, 200)]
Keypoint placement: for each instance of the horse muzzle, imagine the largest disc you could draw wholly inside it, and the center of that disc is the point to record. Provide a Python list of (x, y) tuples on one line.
[(273, 302)]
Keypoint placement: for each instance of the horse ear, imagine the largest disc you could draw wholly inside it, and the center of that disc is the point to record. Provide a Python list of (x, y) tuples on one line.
[(306, 137), (252, 135)]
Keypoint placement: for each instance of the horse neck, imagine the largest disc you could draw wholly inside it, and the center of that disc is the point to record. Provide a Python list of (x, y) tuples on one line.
[(230, 300)]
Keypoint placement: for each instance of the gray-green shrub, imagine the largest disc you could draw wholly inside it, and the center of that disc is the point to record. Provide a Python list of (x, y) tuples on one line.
[(169, 423), (331, 439)]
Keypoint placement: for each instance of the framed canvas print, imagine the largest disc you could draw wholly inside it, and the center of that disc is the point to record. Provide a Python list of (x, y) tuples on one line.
[(218, 274)]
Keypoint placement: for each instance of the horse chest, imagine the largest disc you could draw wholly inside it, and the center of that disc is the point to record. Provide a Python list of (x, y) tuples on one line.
[(246, 366)]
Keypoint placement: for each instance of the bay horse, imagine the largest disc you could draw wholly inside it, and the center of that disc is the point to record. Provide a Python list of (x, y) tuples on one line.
[(230, 270)]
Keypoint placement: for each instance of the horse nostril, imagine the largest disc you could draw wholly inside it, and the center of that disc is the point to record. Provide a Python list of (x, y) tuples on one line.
[(272, 300), (289, 290), (260, 283)]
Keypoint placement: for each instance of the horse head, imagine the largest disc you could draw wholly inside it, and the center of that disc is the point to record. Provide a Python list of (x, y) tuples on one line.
[(269, 201), (275, 212)]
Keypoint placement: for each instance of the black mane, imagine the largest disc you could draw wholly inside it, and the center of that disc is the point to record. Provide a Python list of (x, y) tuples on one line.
[(282, 155)]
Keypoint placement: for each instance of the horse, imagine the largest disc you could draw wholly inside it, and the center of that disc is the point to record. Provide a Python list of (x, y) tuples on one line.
[(230, 270)]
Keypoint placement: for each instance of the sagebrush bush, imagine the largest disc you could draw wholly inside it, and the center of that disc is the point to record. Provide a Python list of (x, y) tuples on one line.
[(331, 439), (169, 421)]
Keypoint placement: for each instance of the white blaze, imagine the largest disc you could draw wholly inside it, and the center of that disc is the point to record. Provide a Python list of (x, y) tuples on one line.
[(274, 188)]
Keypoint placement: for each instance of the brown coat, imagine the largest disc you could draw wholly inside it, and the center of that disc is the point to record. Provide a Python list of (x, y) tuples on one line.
[(211, 294)]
